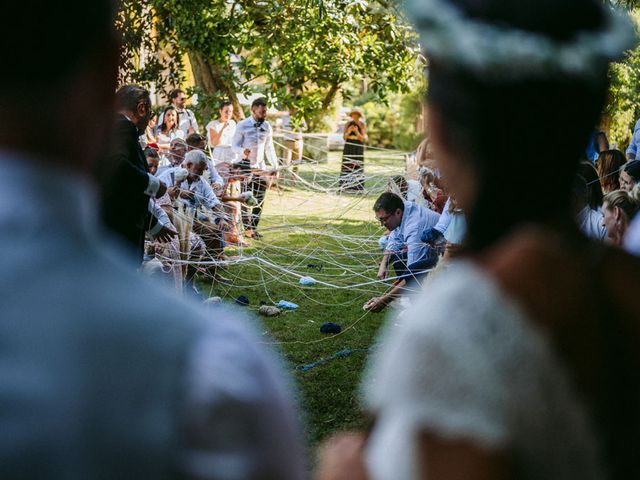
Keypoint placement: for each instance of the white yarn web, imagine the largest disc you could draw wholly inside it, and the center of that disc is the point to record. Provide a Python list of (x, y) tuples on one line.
[(312, 229)]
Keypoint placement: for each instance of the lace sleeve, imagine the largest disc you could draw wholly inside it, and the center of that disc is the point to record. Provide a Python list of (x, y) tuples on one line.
[(441, 370), (467, 363)]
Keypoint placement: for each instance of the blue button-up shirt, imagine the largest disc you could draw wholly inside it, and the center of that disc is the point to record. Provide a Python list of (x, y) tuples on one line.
[(415, 220), (634, 146)]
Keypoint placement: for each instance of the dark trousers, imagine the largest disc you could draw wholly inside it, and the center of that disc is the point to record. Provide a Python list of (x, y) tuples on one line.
[(415, 271), (251, 215)]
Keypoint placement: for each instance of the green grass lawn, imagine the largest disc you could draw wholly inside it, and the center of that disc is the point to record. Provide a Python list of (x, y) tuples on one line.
[(332, 238)]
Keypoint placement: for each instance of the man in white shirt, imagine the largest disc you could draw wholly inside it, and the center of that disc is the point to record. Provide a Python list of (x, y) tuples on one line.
[(104, 374), (253, 141)]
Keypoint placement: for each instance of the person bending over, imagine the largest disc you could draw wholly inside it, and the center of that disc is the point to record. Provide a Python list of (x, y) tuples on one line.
[(409, 256)]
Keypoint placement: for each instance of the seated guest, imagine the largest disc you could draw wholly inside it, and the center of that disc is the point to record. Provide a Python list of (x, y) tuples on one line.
[(160, 227), (149, 132), (153, 159), (456, 230), (409, 190), (608, 166), (170, 250), (405, 250), (174, 157), (432, 189), (619, 208), (588, 172), (194, 192), (589, 220), (195, 141), (231, 195), (434, 236), (630, 175)]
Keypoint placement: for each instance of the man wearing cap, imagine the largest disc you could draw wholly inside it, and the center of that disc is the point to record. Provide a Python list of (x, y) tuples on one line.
[(253, 141)]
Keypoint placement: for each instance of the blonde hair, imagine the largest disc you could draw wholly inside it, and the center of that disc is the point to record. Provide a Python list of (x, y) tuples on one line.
[(627, 202)]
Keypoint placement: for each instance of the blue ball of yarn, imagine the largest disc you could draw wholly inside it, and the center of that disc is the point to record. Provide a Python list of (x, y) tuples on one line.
[(242, 300), (330, 327)]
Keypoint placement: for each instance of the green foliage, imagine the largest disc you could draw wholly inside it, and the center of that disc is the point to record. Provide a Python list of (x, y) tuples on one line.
[(140, 61), (394, 125), (623, 108), (629, 4), (301, 52)]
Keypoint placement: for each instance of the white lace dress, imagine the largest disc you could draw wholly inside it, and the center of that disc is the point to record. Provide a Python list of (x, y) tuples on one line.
[(465, 363)]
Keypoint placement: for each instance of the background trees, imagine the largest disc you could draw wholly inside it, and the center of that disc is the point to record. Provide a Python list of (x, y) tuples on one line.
[(305, 54), (300, 54)]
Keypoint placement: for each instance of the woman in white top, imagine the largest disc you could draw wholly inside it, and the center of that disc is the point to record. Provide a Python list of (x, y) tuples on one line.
[(220, 134), (521, 360), (169, 129)]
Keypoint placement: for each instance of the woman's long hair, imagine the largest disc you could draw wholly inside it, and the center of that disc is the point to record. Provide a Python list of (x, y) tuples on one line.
[(608, 165), (164, 127)]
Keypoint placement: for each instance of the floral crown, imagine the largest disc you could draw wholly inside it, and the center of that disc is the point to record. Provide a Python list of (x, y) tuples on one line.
[(498, 52)]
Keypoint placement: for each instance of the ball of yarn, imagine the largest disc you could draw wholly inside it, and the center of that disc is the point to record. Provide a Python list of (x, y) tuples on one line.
[(180, 174), (330, 327), (269, 311), (249, 199), (307, 281), (212, 301), (287, 305), (242, 300)]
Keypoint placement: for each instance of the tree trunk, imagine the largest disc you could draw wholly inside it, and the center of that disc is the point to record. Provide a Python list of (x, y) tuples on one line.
[(210, 78), (330, 96)]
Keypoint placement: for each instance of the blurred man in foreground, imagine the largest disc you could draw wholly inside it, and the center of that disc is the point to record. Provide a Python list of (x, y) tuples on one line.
[(103, 376)]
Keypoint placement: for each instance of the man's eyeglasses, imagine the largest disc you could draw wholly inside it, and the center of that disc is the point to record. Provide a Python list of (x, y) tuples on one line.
[(384, 219)]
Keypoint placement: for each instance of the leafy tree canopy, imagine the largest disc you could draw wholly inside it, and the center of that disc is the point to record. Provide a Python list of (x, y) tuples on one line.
[(299, 54)]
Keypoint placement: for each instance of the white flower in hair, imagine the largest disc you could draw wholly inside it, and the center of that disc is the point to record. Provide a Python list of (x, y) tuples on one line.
[(498, 52)]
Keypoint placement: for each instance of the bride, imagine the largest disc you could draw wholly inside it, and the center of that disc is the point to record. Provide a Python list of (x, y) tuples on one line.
[(521, 360)]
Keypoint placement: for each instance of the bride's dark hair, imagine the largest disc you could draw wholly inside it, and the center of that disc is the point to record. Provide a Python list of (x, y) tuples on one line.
[(523, 137)]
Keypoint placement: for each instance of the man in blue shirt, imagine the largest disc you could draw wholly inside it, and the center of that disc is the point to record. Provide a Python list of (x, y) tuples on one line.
[(405, 250), (634, 145), (105, 375)]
